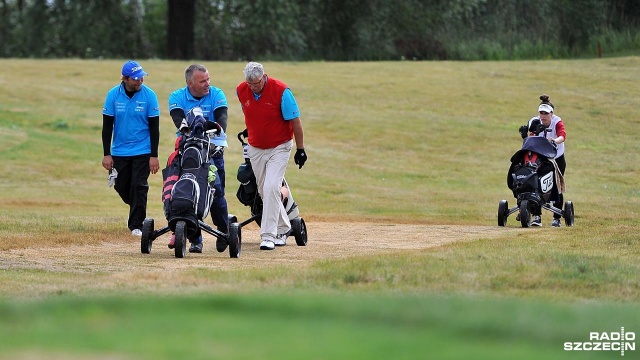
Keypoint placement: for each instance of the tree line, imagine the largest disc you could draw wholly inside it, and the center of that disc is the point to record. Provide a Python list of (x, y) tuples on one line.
[(332, 30)]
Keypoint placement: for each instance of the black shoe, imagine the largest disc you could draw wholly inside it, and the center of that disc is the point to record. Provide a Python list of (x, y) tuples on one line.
[(536, 221), (196, 248), (221, 244), (556, 223)]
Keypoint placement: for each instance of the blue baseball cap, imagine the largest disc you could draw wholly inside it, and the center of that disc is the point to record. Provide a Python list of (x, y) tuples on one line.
[(133, 70)]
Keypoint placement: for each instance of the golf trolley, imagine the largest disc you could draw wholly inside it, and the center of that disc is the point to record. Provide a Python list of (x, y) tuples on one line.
[(248, 195), (531, 178), (188, 192)]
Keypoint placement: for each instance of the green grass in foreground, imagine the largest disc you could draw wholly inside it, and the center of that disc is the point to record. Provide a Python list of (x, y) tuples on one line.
[(304, 326)]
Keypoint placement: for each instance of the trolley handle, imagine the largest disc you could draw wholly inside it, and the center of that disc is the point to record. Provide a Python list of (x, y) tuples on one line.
[(242, 135)]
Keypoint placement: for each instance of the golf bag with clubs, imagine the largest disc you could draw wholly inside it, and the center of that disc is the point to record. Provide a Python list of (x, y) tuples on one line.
[(531, 177), (248, 195), (188, 187), (188, 190)]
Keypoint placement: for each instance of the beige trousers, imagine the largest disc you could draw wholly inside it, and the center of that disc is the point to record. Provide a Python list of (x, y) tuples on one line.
[(269, 166)]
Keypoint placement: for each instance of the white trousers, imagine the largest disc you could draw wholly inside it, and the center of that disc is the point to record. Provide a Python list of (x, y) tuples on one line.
[(269, 166)]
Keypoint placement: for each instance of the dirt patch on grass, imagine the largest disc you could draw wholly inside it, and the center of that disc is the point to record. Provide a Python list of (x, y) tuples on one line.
[(325, 241)]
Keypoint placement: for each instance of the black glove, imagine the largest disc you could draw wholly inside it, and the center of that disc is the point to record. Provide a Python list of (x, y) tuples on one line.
[(536, 127), (524, 131), (300, 158)]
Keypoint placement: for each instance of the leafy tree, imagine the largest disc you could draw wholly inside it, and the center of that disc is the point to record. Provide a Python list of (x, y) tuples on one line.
[(257, 28), (5, 35), (341, 30), (154, 25), (580, 20), (623, 13), (338, 21)]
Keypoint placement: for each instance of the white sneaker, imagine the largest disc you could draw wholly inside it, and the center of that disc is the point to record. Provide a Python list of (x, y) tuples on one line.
[(136, 232), (267, 244), (281, 240)]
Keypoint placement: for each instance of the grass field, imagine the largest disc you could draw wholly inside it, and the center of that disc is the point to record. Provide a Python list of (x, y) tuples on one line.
[(413, 143)]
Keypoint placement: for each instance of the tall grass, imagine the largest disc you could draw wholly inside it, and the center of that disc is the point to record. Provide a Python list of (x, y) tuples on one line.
[(625, 42), (516, 47)]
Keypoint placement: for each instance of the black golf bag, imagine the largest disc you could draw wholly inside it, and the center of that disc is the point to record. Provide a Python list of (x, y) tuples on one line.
[(531, 175), (247, 192), (248, 195), (188, 187), (532, 178), (187, 191)]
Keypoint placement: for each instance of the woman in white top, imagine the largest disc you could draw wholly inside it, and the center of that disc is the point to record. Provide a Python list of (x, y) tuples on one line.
[(558, 136)]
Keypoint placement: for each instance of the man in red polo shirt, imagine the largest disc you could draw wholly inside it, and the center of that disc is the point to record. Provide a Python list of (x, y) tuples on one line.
[(272, 118)]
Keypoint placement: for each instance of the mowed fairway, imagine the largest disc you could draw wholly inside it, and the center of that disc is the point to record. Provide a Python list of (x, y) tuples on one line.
[(407, 164)]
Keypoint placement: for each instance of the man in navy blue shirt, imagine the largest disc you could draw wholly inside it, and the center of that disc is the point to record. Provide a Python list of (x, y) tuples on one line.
[(130, 136), (213, 102)]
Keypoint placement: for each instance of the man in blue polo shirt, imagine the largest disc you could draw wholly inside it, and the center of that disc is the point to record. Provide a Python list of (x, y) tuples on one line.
[(213, 102), (130, 136)]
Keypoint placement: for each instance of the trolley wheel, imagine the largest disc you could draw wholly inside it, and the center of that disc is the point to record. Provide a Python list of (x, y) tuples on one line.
[(568, 213), (503, 209), (525, 214), (146, 240), (299, 231), (235, 240), (181, 239)]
